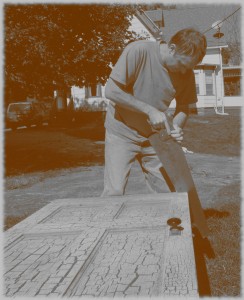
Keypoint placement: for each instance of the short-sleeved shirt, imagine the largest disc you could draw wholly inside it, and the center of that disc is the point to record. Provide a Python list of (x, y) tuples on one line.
[(140, 70)]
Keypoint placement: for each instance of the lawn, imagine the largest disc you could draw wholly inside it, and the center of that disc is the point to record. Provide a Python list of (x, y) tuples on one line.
[(220, 135), (214, 134)]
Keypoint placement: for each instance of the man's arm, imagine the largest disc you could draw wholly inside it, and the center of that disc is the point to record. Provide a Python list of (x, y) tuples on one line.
[(115, 91), (178, 121), (181, 115)]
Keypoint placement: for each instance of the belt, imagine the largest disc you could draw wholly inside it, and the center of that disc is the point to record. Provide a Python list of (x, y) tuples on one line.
[(146, 143)]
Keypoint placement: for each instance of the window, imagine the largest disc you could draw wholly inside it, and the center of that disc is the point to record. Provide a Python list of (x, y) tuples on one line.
[(209, 82), (94, 90)]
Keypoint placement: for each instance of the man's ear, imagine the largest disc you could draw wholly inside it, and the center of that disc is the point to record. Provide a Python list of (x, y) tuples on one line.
[(172, 48)]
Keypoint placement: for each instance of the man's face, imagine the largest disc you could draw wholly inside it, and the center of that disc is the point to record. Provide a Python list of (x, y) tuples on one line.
[(180, 63)]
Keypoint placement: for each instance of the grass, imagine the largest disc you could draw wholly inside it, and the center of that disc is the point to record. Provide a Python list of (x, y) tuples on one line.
[(52, 149), (55, 148), (10, 221), (214, 134), (224, 269), (220, 135)]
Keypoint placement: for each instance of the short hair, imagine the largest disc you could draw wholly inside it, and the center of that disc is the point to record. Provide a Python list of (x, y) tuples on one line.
[(191, 42)]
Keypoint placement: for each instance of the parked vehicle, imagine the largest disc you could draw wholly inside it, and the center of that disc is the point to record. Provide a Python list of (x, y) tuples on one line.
[(26, 114)]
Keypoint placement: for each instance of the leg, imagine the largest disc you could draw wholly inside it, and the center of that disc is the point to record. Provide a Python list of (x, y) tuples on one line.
[(119, 155), (155, 175)]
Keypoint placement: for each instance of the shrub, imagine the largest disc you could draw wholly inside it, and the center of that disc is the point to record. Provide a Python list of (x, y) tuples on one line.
[(85, 106)]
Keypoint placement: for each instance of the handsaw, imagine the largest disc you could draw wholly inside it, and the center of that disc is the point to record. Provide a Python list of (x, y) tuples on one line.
[(175, 167), (175, 164)]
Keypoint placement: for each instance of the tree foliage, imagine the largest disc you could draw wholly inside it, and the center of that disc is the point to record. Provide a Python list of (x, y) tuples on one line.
[(62, 44), (232, 54)]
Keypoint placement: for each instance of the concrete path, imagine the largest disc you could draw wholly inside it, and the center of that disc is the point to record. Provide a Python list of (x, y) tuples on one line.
[(210, 173)]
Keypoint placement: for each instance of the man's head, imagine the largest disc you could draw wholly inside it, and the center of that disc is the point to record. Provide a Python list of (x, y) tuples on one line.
[(185, 50)]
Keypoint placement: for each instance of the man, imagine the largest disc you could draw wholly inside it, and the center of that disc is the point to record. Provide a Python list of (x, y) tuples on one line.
[(146, 78)]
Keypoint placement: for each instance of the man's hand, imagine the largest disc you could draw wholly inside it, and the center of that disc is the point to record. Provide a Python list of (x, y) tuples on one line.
[(158, 120), (177, 133)]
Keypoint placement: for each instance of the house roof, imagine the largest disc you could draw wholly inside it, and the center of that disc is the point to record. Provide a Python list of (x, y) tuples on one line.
[(201, 17), (155, 15)]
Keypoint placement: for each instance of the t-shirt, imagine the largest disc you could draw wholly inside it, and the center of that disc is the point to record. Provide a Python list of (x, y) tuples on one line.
[(140, 69)]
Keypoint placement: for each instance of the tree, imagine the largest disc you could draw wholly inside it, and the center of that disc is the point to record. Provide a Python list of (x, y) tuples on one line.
[(232, 54), (62, 45)]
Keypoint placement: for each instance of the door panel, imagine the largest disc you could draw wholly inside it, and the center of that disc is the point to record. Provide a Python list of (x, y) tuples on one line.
[(115, 246)]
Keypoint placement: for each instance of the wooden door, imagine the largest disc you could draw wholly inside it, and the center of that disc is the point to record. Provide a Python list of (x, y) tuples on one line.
[(116, 246)]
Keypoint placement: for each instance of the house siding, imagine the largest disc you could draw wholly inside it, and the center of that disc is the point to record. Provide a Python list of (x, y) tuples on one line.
[(233, 101), (140, 29)]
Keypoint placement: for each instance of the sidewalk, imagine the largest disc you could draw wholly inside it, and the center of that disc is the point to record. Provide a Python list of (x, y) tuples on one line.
[(210, 173)]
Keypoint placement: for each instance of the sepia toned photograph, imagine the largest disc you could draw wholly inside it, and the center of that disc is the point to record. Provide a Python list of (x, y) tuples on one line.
[(121, 143)]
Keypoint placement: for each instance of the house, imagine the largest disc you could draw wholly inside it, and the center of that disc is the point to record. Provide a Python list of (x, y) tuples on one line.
[(93, 95), (217, 85)]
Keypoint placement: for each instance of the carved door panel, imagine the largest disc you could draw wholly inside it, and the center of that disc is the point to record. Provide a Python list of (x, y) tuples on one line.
[(116, 246)]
